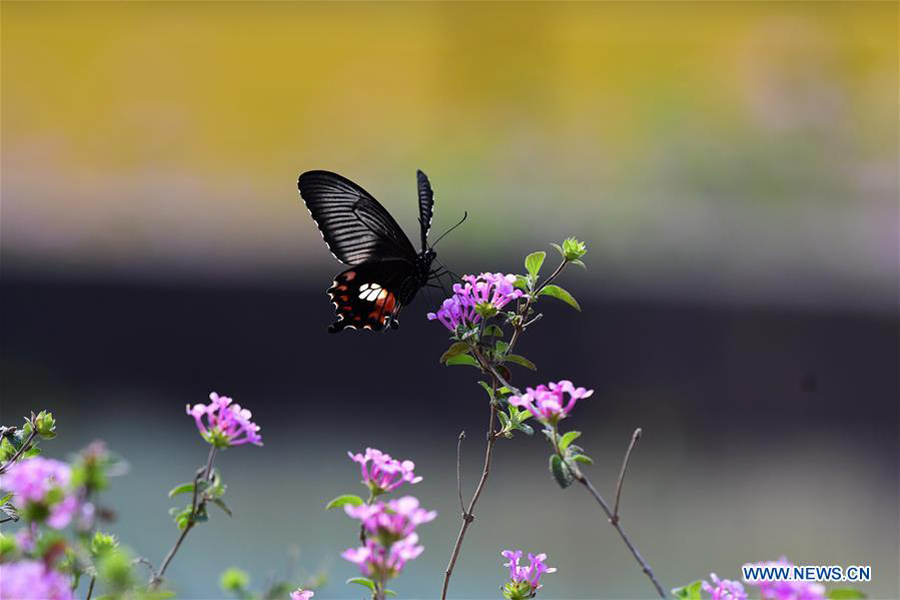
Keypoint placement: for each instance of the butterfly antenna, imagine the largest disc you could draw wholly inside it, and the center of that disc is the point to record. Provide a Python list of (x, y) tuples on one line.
[(465, 216)]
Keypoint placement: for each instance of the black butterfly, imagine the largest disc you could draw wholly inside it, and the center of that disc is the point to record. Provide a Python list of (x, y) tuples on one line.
[(385, 270)]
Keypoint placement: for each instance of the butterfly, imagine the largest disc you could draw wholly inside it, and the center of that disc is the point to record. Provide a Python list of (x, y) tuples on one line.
[(385, 271)]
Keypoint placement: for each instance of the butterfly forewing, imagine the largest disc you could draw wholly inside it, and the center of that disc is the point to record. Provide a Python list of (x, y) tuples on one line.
[(354, 225), (426, 206)]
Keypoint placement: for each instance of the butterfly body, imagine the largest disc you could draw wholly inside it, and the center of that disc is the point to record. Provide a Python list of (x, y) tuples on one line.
[(385, 271)]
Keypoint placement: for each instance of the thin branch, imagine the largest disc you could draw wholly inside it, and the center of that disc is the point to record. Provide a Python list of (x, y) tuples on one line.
[(143, 561), (468, 515), (22, 449), (91, 588), (462, 436), (634, 439), (524, 313), (583, 480), (196, 504)]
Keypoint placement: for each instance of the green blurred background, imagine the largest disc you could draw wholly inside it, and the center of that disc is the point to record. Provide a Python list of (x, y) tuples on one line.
[(732, 166)]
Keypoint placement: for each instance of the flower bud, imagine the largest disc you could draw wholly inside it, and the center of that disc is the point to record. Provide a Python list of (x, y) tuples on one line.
[(45, 425), (103, 543), (572, 249)]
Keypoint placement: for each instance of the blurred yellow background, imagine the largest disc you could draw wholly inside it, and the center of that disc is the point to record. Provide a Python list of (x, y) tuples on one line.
[(698, 146)]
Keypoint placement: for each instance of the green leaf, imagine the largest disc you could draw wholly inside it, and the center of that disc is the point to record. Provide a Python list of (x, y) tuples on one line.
[(390, 593), (5, 498), (533, 263), (525, 428), (462, 359), (341, 501), (493, 331), (561, 472), (202, 515), (521, 361), (689, 592), (184, 488), (554, 291), (455, 350), (521, 283), (33, 451), (583, 458), (218, 502), (844, 594), (568, 438), (500, 348), (558, 249), (579, 263), (487, 388), (363, 581)]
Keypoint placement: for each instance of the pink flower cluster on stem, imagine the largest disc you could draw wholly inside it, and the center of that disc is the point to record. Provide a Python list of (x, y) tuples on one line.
[(491, 289), (392, 540), (224, 423), (301, 594), (724, 589), (43, 482), (385, 474), (393, 520), (787, 590), (548, 403), (520, 574)]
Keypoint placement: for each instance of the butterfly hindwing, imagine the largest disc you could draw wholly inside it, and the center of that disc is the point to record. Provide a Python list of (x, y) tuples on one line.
[(354, 225), (370, 296)]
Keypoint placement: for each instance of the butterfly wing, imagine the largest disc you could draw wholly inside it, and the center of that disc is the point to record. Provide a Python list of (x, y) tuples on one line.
[(355, 226), (426, 206), (370, 295)]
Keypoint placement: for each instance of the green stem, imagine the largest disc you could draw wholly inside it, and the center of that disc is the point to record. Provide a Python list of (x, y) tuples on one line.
[(197, 503)]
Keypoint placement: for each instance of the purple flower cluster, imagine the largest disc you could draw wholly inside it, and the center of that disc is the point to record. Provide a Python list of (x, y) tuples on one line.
[(724, 589), (393, 520), (379, 562), (227, 424), (548, 402), (391, 539), (384, 474), (490, 290), (787, 590), (42, 484), (524, 581), (33, 580)]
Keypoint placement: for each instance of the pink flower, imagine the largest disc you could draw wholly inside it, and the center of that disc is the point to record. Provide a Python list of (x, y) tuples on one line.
[(724, 589), (42, 483), (226, 424), (532, 573), (491, 290), (377, 561), (548, 402), (385, 474), (302, 594), (391, 521), (32, 580), (787, 590)]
